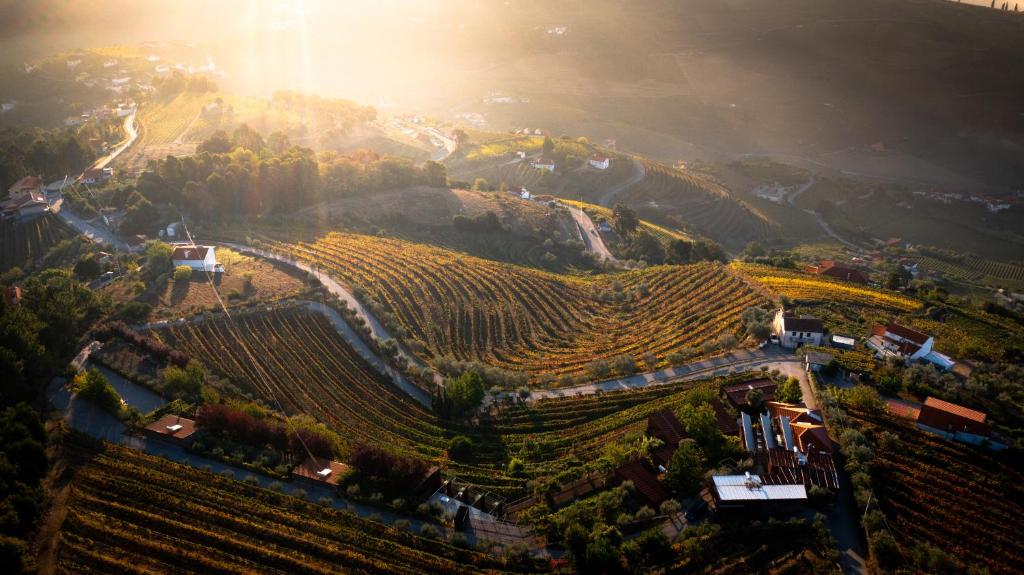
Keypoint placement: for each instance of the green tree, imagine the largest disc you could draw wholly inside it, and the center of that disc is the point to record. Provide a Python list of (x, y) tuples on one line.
[(87, 267), (460, 447), (789, 391), (865, 398), (158, 258), (436, 174), (184, 383), (686, 468), (548, 147), (182, 273), (679, 252), (624, 220), (93, 385)]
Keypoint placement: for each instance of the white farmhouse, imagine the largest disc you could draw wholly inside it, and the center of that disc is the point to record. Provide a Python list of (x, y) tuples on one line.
[(906, 344), (599, 161), (199, 258), (795, 331), (544, 164)]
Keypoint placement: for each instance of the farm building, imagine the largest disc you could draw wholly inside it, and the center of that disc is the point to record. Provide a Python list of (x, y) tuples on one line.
[(906, 344), (816, 360), (801, 428), (666, 426), (199, 258), (748, 493), (173, 428), (25, 185), (649, 486), (599, 161), (786, 467), (842, 342), (831, 269), (737, 392), (95, 176), (955, 422), (794, 331), (544, 164), (320, 470)]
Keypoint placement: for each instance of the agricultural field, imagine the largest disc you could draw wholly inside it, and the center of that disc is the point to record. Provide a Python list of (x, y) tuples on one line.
[(163, 125), (805, 287), (528, 321), (134, 513), (314, 371), (245, 279), (22, 243), (975, 270), (962, 500), (699, 205)]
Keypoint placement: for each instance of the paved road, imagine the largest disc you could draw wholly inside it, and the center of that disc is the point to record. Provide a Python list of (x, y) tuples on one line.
[(96, 233), (792, 197), (739, 360), (639, 172), (132, 132), (591, 237)]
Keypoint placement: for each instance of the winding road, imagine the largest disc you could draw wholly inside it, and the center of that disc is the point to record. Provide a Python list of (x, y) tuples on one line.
[(592, 239)]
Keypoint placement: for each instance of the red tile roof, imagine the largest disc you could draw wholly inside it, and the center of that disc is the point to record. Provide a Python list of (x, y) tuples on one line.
[(831, 269), (647, 485), (168, 426), (666, 426), (810, 324), (28, 183), (190, 253), (954, 409), (785, 468), (311, 467), (811, 438), (907, 333), (737, 392)]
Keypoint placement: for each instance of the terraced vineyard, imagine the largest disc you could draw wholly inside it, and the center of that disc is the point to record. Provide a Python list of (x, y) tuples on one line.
[(134, 513), (924, 484), (663, 234), (164, 121), (804, 287), (314, 371), (21, 243), (708, 207), (530, 321), (972, 269)]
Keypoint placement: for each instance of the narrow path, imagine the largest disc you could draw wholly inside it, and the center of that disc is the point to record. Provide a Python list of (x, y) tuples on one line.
[(639, 173), (591, 237), (792, 197)]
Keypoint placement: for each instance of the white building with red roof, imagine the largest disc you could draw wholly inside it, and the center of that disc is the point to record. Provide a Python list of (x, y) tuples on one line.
[(199, 258), (906, 344), (599, 161), (25, 199)]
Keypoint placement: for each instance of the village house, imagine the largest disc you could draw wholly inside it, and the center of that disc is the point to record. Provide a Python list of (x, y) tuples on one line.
[(956, 422), (173, 429), (544, 164), (736, 393), (319, 470), (199, 258), (816, 360), (599, 161), (794, 331), (906, 344), (96, 176), (801, 428), (831, 269), (787, 467), (25, 199)]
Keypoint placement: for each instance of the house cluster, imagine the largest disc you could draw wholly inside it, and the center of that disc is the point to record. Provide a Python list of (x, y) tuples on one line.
[(992, 203), (120, 110), (96, 176), (25, 199), (906, 344), (791, 449), (524, 194)]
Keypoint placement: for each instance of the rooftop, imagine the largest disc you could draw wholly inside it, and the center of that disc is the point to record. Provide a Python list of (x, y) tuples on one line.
[(810, 324), (173, 426), (190, 252), (752, 488), (954, 409), (907, 333), (320, 469)]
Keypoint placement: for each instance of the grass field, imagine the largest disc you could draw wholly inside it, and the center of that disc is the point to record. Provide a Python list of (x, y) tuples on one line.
[(134, 513), (22, 243), (529, 321)]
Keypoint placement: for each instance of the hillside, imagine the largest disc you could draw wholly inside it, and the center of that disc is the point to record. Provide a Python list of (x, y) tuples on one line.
[(24, 243), (529, 321)]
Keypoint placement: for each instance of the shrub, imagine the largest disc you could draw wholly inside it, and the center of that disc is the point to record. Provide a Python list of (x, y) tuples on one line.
[(93, 386), (182, 273), (460, 447)]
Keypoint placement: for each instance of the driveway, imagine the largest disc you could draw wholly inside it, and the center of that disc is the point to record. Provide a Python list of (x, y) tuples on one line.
[(591, 237)]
